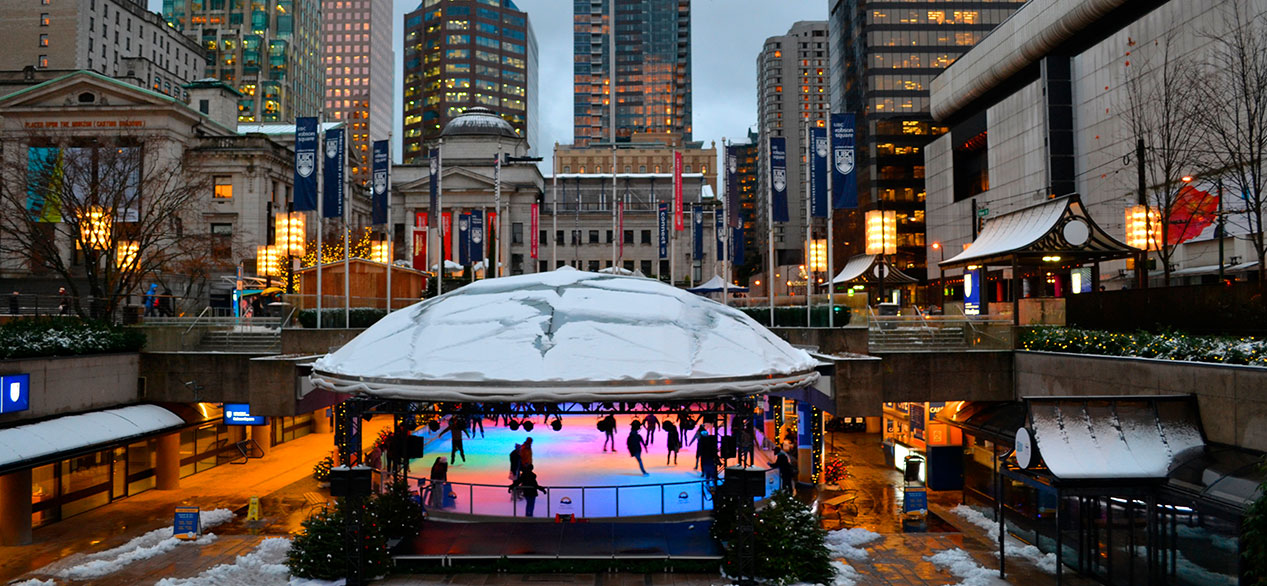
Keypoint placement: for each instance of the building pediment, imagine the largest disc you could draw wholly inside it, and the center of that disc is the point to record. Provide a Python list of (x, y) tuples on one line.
[(452, 178), (84, 92)]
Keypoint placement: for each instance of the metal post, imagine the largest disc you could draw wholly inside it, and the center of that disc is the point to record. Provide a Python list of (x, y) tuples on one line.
[(554, 214), (320, 212), (1060, 564), (1221, 228), (998, 501), (809, 235), (439, 218), (1141, 263), (831, 240), (496, 250), (769, 214), (391, 236), (616, 235), (347, 235)]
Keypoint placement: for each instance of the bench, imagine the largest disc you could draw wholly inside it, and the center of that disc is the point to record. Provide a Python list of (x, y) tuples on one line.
[(839, 502), (314, 500)]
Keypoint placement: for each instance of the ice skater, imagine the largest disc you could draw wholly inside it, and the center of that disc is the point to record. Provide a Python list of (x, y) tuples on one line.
[(439, 479), (527, 487), (525, 454), (456, 425), (516, 462), (672, 442), (651, 422), (608, 425), (635, 443), (706, 455)]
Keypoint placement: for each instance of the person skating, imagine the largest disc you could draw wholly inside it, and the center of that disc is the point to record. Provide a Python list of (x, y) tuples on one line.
[(706, 455), (525, 455), (651, 422), (672, 442), (608, 425), (439, 482), (456, 425), (526, 485), (635, 444), (516, 462)]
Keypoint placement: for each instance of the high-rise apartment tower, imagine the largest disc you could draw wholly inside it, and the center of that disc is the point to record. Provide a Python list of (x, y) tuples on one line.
[(357, 40)]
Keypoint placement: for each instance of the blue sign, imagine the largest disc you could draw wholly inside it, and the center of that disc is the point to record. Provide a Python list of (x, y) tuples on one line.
[(379, 180), (736, 245), (305, 164), (778, 179), (972, 292), (844, 178), (662, 219), (697, 242), (333, 169), (719, 230), (240, 414), (915, 500), (818, 172), (476, 234), (464, 239), (186, 525), (17, 393), (434, 185)]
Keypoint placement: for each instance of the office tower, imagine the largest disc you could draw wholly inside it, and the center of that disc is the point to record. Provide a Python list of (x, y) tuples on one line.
[(359, 64), (791, 93), (117, 38), (269, 51), (884, 55), (653, 69), (463, 53), (746, 154)]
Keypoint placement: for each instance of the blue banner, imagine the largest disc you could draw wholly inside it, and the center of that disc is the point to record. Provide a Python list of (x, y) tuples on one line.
[(662, 220), (379, 180), (477, 235), (972, 292), (332, 172), (16, 391), (778, 179), (697, 239), (736, 245), (464, 239), (240, 414), (732, 187), (305, 164), (844, 178), (434, 208), (818, 172), (719, 231)]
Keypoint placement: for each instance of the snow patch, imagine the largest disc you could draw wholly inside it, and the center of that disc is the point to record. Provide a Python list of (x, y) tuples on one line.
[(263, 566), (1014, 547), (844, 543), (960, 563), (36, 582), (152, 544), (845, 574)]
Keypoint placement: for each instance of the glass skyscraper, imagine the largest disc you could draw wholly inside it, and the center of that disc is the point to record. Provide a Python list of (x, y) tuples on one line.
[(359, 65), (653, 69)]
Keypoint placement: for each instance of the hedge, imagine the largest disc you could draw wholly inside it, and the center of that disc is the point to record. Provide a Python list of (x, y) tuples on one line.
[(362, 317), (795, 316), (1166, 346), (28, 338)]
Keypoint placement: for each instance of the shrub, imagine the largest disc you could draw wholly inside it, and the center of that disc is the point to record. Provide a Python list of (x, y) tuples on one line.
[(1166, 345), (795, 316), (400, 513), (789, 543), (26, 338), (361, 317)]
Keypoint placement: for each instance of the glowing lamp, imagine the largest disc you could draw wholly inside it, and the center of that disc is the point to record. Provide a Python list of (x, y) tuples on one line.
[(126, 254), (290, 234), (267, 261), (1143, 227), (94, 228), (881, 232), (818, 255), (379, 252)]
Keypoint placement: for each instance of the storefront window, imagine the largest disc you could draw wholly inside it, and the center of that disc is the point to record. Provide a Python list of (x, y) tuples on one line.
[(85, 483), (142, 459), (43, 495)]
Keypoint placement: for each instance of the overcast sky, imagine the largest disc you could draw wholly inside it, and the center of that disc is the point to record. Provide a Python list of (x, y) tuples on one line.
[(725, 38)]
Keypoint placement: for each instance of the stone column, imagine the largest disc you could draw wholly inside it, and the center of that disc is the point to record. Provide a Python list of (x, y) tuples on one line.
[(167, 464), (15, 508), (320, 422)]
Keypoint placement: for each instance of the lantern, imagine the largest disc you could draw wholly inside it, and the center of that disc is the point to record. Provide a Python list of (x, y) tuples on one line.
[(94, 228), (290, 234), (881, 232), (267, 261), (1143, 227), (818, 255), (126, 254)]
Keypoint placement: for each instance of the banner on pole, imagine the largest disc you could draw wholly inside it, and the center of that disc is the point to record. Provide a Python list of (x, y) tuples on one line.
[(732, 187), (305, 164), (778, 179), (677, 192), (420, 241), (434, 209), (446, 232), (818, 172), (736, 245), (662, 221), (844, 178), (332, 190), (620, 225), (533, 235), (477, 236), (719, 233), (697, 236), (464, 239), (379, 179)]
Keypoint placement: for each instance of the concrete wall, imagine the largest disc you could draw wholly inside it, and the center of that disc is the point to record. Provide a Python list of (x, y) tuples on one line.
[(316, 341), (981, 375), (212, 376), (828, 340), (61, 385), (1232, 399)]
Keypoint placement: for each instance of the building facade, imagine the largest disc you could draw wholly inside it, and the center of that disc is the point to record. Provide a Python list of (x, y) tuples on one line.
[(116, 38), (643, 153), (464, 53), (359, 75), (653, 69), (269, 52), (746, 177), (792, 97), (884, 55)]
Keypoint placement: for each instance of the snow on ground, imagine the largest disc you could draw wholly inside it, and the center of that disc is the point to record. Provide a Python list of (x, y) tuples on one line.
[(844, 543), (264, 566), (154, 543), (1014, 547), (961, 564), (845, 574), (36, 582)]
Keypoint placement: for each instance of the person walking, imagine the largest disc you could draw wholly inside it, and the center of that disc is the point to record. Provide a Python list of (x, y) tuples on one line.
[(456, 424), (165, 303), (439, 482), (63, 301), (634, 443), (13, 303), (528, 487), (151, 301), (787, 471), (672, 442), (651, 422), (609, 431)]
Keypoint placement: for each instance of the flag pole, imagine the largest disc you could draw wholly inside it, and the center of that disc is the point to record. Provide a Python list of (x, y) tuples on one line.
[(616, 236), (347, 234), (435, 214), (809, 236), (391, 240), (725, 223), (554, 212), (831, 243), (769, 239), (319, 169)]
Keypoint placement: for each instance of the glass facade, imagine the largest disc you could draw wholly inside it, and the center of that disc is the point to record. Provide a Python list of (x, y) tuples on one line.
[(356, 40)]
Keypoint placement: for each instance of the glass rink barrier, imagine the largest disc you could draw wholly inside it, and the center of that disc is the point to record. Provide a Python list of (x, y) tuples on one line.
[(583, 502)]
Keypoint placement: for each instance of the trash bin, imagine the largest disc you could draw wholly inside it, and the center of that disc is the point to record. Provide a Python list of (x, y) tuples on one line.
[(131, 315), (888, 310)]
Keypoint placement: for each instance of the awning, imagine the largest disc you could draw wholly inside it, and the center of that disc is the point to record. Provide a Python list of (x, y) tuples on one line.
[(1214, 270), (811, 395), (996, 421), (38, 443), (1058, 227), (869, 268), (1109, 438), (716, 285), (1228, 474)]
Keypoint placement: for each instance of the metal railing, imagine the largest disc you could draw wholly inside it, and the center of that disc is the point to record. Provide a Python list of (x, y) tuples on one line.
[(609, 501), (921, 332)]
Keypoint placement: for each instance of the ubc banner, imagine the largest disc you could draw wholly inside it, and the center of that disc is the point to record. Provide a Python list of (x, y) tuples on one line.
[(719, 231), (697, 240), (477, 235), (379, 180), (732, 187), (844, 177), (305, 164), (736, 245), (818, 172), (332, 191), (434, 208), (533, 235), (778, 179), (677, 192), (662, 220), (464, 239)]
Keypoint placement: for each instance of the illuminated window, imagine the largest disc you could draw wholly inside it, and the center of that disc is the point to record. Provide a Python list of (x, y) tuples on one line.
[(223, 188)]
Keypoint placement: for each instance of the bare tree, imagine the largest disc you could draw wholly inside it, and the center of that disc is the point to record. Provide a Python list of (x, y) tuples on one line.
[(108, 213), (1161, 108), (1233, 114)]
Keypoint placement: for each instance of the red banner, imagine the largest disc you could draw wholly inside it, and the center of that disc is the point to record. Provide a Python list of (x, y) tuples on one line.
[(532, 235), (620, 234), (447, 245), (677, 192), (420, 240)]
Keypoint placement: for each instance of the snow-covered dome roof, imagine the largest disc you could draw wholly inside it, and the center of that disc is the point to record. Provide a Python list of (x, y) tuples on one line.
[(479, 121), (565, 335)]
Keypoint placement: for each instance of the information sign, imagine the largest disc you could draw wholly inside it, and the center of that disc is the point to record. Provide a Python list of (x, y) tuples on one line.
[(16, 390), (186, 525)]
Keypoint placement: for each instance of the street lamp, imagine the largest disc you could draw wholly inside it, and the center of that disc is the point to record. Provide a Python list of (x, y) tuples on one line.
[(1142, 227), (289, 238), (267, 261)]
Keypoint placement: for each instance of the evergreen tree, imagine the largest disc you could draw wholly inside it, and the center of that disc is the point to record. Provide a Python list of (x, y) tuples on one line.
[(790, 544), (320, 551), (401, 515)]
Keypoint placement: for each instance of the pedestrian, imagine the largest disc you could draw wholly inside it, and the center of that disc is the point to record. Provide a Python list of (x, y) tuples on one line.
[(787, 470), (527, 487), (634, 443), (672, 442), (165, 303), (439, 482), (686, 423), (525, 454), (63, 301), (515, 462), (13, 303), (651, 422), (706, 455), (151, 301), (741, 429), (456, 424), (608, 425)]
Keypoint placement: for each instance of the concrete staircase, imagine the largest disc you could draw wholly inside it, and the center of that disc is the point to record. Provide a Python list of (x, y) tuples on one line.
[(262, 341), (907, 339)]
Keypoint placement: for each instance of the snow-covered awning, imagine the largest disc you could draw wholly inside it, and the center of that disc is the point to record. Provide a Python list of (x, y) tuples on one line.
[(1057, 227), (1111, 438), (565, 335), (36, 443), (717, 285), (868, 268), (1214, 269)]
